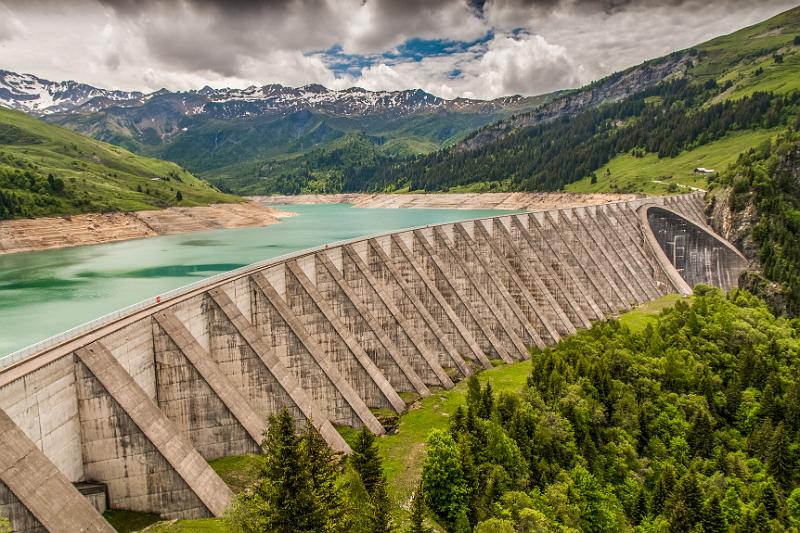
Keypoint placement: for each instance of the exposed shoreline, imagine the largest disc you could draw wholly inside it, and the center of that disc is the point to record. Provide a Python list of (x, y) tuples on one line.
[(517, 201), (28, 235)]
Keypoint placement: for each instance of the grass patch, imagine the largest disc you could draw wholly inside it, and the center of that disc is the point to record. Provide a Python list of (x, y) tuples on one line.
[(348, 434), (404, 451), (409, 397), (128, 521), (638, 318), (651, 175), (201, 525), (237, 471)]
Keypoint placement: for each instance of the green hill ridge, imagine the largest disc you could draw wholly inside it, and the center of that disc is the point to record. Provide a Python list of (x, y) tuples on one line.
[(47, 170)]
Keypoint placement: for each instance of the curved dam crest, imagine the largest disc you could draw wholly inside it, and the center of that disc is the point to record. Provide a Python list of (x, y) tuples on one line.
[(127, 414)]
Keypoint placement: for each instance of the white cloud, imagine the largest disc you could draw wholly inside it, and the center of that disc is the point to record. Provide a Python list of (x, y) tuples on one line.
[(10, 27), (523, 64), (186, 44)]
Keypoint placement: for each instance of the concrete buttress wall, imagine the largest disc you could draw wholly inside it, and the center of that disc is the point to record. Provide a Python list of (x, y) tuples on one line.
[(366, 332), (403, 332), (130, 445), (138, 404), (195, 394), (445, 346)]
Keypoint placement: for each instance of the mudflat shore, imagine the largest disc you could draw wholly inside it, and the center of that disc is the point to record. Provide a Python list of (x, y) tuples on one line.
[(518, 201), (95, 228)]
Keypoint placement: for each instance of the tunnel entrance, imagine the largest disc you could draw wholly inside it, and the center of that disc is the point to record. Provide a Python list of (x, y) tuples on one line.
[(696, 253)]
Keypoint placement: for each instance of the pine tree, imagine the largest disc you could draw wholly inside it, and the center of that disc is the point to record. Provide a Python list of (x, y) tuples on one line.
[(381, 509), (759, 441), (680, 519), (471, 477), (473, 392), (712, 519), (418, 511), (487, 401), (640, 507), (283, 500), (761, 519), (686, 504), (793, 407), (366, 461), (356, 513), (778, 461), (769, 499), (664, 488), (320, 465), (769, 402), (458, 422), (701, 434)]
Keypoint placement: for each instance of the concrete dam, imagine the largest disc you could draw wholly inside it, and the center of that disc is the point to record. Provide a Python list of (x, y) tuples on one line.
[(126, 412)]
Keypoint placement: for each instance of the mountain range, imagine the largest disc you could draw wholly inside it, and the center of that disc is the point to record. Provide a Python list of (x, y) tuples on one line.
[(274, 138), (40, 97)]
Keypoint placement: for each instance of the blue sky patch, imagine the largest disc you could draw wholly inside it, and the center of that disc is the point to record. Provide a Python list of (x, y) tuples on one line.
[(412, 50)]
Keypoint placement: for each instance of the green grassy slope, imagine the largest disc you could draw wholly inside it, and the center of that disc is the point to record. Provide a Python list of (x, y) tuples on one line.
[(764, 57), (738, 56), (50, 170), (653, 175)]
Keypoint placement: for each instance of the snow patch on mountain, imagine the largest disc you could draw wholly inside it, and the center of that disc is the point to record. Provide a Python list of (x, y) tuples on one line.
[(30, 94)]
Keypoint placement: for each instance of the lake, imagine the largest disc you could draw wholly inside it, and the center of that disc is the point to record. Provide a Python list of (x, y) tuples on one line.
[(47, 292)]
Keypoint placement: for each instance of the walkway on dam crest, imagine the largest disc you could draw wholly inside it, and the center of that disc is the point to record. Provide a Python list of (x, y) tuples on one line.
[(136, 407)]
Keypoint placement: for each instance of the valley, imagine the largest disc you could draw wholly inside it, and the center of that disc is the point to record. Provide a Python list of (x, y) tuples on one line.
[(301, 307)]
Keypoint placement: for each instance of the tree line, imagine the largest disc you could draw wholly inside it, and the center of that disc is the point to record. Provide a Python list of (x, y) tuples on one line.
[(665, 120)]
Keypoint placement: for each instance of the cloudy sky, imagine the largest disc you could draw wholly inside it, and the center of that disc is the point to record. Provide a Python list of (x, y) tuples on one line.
[(472, 48)]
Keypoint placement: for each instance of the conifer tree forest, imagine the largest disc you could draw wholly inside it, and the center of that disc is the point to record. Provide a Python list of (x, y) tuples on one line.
[(666, 120), (304, 487), (692, 425)]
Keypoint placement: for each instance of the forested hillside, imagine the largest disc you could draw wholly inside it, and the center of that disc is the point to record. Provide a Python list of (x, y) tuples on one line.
[(743, 82), (49, 170), (665, 120), (691, 424), (764, 184), (687, 421)]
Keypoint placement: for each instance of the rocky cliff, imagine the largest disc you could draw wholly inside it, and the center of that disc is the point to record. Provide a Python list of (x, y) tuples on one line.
[(614, 88)]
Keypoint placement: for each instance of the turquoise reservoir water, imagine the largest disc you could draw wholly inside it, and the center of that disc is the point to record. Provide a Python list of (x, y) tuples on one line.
[(45, 293)]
